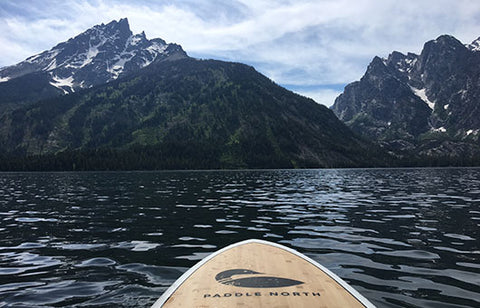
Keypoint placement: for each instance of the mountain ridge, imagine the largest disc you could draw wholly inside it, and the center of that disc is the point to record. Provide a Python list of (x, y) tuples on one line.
[(412, 100), (227, 114), (96, 56)]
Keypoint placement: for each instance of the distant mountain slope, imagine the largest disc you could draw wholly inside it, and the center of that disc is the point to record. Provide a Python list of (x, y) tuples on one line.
[(424, 104), (188, 114), (96, 56)]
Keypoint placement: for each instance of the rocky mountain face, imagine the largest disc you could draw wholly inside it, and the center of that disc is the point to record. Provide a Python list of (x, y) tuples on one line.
[(427, 104), (97, 56), (168, 111)]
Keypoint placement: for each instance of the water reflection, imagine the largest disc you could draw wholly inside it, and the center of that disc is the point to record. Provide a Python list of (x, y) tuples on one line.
[(403, 238)]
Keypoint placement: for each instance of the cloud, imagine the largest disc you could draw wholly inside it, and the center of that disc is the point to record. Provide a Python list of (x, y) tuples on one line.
[(294, 42)]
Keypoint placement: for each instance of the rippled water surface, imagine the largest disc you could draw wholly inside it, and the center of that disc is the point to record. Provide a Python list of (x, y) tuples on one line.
[(402, 237)]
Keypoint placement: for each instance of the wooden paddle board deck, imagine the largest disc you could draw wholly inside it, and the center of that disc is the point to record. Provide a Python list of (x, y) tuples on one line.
[(256, 273)]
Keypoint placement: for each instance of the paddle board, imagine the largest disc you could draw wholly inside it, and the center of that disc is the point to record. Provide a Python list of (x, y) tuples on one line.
[(257, 273)]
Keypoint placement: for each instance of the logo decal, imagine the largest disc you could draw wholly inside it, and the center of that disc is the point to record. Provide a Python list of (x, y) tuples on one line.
[(252, 279)]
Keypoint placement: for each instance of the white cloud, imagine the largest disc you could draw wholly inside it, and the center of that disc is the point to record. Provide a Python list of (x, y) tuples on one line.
[(295, 42)]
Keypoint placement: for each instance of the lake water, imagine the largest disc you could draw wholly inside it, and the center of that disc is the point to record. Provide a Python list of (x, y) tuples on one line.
[(401, 237)]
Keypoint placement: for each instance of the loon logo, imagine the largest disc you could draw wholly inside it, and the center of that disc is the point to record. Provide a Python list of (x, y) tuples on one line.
[(252, 279)]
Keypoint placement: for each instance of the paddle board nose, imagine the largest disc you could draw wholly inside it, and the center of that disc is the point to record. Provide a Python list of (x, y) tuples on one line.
[(255, 273)]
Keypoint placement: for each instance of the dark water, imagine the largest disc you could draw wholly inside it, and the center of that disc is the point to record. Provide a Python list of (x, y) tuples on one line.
[(403, 238)]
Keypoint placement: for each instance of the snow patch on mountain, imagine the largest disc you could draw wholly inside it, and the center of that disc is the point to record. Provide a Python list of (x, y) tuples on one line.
[(440, 130), (135, 39), (117, 68), (33, 58), (423, 96), (51, 66), (64, 84), (472, 131), (156, 48), (90, 55), (475, 45)]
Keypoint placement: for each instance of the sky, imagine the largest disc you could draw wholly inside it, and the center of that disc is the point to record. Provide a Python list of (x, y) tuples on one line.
[(312, 47)]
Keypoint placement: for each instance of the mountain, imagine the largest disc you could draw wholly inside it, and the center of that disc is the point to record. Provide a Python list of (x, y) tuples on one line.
[(97, 56), (426, 105), (186, 113), (108, 99)]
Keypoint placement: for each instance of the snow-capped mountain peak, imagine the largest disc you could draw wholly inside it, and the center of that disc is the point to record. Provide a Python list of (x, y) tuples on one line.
[(98, 55)]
